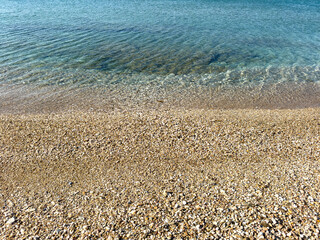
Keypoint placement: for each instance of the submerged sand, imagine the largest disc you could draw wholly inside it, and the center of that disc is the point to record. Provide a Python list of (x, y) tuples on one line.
[(161, 173)]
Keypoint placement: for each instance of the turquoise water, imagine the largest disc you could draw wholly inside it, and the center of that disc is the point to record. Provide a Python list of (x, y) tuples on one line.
[(203, 42)]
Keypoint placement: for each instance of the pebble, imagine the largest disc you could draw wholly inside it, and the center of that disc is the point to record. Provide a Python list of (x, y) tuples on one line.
[(10, 203), (11, 221)]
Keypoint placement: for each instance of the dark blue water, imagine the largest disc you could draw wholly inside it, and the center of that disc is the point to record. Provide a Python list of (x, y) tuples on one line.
[(200, 42)]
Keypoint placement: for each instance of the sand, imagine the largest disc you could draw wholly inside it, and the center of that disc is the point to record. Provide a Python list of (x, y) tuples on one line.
[(165, 173)]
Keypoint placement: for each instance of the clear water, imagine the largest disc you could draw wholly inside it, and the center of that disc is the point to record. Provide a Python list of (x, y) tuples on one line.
[(192, 42)]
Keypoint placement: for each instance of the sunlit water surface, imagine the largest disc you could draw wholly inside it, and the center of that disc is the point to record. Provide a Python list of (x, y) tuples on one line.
[(206, 43)]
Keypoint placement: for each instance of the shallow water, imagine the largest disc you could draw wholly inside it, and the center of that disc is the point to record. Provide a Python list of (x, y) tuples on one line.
[(159, 43)]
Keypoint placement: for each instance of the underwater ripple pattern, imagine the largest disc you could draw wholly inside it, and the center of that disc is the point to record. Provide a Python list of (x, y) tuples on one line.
[(206, 41)]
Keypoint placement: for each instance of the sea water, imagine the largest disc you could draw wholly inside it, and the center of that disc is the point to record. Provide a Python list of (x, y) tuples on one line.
[(206, 43)]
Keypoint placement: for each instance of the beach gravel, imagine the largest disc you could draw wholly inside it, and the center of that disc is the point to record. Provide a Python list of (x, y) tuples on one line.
[(161, 174)]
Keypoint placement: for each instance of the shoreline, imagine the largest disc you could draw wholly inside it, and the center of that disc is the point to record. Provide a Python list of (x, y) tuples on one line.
[(161, 173), (33, 99)]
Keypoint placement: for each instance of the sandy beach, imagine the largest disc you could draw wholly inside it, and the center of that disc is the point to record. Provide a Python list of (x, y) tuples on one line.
[(164, 119), (160, 174)]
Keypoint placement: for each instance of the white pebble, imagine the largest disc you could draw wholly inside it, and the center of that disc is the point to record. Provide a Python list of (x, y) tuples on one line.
[(11, 221)]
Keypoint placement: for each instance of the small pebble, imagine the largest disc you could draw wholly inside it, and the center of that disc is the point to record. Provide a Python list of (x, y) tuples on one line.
[(11, 221)]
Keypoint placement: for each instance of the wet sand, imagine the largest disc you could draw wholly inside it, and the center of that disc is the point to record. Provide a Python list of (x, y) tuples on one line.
[(170, 173), (33, 98)]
